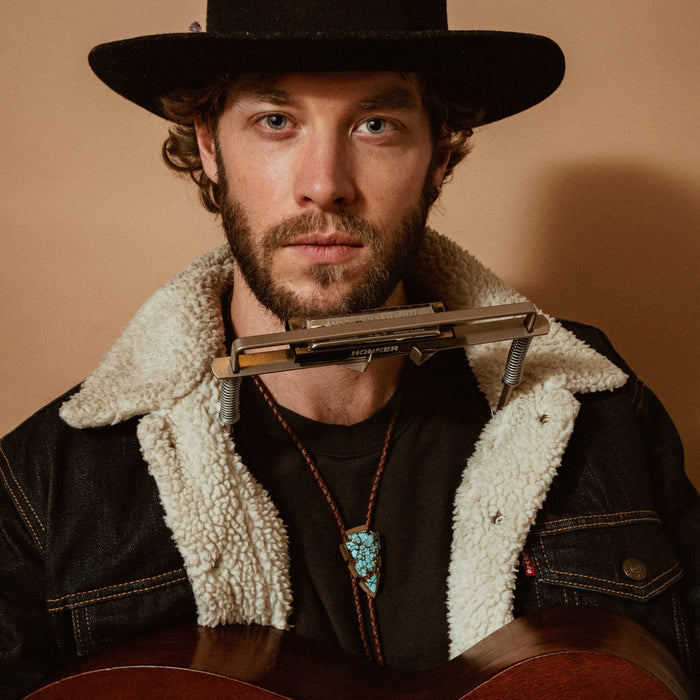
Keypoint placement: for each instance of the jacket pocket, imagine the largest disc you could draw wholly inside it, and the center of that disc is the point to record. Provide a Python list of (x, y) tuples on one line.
[(624, 555), (622, 562)]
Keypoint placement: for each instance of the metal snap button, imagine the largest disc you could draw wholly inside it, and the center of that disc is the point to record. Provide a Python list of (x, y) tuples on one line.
[(634, 569)]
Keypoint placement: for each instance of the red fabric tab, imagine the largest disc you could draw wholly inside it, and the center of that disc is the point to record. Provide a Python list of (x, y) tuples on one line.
[(528, 563)]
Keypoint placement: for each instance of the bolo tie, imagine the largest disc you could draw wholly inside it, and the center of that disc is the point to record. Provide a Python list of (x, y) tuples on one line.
[(359, 546)]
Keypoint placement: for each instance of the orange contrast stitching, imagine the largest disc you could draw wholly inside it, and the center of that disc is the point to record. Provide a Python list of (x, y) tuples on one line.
[(18, 504), (602, 515), (607, 580), (116, 585), (87, 627), (618, 592), (116, 595), (76, 620), (19, 486), (606, 523), (615, 584)]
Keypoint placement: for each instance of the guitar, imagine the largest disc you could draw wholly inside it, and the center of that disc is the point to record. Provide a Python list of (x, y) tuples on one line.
[(571, 653)]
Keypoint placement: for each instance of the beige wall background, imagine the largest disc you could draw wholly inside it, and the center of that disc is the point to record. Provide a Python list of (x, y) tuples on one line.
[(589, 203)]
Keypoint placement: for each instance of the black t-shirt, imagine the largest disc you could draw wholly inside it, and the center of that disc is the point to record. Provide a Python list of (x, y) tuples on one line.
[(440, 418)]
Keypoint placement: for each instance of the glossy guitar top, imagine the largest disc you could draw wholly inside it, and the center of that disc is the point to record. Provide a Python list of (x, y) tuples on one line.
[(560, 653)]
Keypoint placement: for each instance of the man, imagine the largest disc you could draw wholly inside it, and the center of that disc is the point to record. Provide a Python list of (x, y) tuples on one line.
[(128, 506)]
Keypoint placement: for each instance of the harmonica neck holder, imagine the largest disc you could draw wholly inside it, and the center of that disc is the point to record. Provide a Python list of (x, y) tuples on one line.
[(353, 341)]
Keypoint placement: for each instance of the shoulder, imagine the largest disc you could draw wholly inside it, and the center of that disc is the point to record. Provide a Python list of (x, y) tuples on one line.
[(599, 341), (45, 423), (45, 435), (44, 451)]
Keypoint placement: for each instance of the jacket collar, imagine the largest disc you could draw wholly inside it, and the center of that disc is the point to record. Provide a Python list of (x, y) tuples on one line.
[(160, 369), (166, 351)]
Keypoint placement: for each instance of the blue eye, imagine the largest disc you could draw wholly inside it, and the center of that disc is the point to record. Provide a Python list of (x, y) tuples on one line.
[(275, 121)]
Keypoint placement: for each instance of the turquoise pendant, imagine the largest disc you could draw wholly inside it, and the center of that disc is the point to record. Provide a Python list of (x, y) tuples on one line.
[(360, 549)]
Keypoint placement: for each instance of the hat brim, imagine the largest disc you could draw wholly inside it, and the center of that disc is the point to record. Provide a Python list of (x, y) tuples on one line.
[(502, 73)]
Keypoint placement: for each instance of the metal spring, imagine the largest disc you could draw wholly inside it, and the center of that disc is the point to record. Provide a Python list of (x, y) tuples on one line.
[(229, 395), (513, 374)]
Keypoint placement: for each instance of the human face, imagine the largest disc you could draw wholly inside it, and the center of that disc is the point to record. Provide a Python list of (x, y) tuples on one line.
[(324, 184)]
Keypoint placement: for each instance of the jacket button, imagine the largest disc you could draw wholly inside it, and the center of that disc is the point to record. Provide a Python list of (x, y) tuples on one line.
[(634, 569)]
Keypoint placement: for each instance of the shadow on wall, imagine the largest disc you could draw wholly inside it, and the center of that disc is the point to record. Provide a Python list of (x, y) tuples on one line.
[(619, 247)]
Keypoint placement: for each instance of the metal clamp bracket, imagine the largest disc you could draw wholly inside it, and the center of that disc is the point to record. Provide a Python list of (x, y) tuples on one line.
[(353, 341)]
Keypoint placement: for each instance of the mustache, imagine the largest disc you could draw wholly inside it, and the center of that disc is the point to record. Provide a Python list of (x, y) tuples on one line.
[(290, 229)]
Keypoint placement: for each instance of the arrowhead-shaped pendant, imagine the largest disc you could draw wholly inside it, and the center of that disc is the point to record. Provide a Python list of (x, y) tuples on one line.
[(360, 549)]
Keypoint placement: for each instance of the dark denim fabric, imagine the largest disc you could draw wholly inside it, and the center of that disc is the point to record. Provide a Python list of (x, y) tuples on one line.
[(85, 555), (620, 528), (86, 558)]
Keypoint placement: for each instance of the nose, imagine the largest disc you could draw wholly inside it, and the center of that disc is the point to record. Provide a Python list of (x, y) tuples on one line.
[(325, 177)]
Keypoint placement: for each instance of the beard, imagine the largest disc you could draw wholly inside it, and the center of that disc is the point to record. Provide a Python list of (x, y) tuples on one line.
[(389, 261)]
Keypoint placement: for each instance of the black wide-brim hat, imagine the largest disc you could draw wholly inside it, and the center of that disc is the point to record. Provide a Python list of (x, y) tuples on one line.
[(501, 73)]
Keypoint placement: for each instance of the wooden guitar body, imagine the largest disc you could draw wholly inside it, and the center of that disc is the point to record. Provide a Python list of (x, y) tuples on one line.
[(571, 653)]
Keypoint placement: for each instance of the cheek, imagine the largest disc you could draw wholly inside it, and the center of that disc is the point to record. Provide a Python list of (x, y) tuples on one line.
[(398, 186), (257, 185)]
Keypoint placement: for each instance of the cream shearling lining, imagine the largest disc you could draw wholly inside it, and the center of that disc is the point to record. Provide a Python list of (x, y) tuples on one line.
[(229, 533)]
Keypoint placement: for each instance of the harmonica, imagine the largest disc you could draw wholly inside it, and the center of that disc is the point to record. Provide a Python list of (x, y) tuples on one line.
[(353, 341)]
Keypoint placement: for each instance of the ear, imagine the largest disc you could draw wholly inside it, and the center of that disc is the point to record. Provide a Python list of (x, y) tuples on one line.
[(443, 153), (207, 150)]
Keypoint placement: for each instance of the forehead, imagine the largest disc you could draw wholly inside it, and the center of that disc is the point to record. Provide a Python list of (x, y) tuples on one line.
[(381, 89)]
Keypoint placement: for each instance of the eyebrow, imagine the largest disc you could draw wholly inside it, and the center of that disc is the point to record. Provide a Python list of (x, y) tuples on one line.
[(395, 98), (264, 93)]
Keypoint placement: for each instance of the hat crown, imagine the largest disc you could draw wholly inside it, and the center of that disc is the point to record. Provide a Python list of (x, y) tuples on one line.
[(290, 17)]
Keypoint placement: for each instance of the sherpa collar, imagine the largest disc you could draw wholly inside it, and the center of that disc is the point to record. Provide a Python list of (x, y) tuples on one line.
[(160, 369), (167, 348)]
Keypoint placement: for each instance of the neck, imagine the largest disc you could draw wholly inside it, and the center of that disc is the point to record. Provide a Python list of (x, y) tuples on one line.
[(328, 394)]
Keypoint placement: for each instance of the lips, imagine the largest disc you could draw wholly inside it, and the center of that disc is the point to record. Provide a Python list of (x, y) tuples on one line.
[(325, 249), (326, 239)]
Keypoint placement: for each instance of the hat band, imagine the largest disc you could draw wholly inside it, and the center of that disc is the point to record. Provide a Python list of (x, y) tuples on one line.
[(265, 17)]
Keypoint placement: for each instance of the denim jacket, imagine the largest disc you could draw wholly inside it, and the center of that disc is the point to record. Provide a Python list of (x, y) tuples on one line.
[(575, 494)]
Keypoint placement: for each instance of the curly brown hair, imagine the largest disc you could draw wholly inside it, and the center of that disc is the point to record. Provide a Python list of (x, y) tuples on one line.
[(449, 119)]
